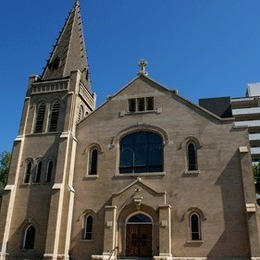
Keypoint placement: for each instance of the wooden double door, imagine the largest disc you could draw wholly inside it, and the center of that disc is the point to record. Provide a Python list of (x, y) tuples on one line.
[(139, 240)]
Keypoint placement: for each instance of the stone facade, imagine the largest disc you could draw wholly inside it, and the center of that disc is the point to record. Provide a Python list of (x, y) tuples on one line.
[(146, 175)]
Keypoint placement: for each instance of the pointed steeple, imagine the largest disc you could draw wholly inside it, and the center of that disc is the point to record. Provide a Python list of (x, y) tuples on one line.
[(69, 52)]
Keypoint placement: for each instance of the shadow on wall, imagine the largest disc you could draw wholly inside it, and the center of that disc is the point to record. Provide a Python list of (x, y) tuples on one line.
[(234, 241)]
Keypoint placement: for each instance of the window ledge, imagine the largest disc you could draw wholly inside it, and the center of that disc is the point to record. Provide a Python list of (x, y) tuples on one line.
[(91, 176), (140, 174), (195, 241), (192, 173), (86, 240), (127, 113)]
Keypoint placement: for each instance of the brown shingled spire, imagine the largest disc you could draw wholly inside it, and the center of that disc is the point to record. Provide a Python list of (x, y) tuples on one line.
[(69, 52)]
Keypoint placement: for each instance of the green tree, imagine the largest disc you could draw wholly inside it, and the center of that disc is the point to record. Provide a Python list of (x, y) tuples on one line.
[(5, 158)]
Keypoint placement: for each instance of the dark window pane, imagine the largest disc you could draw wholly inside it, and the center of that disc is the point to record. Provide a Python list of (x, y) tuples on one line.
[(54, 117), (27, 172), (139, 218), (132, 105), (93, 161), (40, 118), (195, 229), (149, 103), (88, 228), (38, 172), (192, 157), (141, 104), (49, 171), (141, 152)]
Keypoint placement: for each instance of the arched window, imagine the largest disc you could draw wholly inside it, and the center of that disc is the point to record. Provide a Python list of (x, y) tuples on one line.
[(29, 236), (49, 170), (93, 162), (192, 157), (195, 229), (40, 118), (27, 174), (139, 218), (54, 117), (141, 152), (88, 227), (80, 114), (37, 176)]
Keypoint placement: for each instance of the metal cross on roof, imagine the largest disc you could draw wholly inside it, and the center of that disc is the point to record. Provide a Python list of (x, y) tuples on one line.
[(142, 64)]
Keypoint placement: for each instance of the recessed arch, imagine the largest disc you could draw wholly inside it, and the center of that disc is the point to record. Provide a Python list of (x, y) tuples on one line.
[(128, 212), (28, 237)]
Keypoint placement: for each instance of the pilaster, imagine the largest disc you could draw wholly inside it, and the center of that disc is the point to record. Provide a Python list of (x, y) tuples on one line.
[(164, 233), (109, 234)]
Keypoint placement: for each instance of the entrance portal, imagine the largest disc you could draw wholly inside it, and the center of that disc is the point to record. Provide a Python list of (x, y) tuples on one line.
[(139, 236)]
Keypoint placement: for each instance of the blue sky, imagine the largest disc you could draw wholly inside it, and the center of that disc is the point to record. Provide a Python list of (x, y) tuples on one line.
[(203, 48)]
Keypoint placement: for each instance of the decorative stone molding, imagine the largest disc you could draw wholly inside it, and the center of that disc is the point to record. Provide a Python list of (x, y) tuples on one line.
[(162, 258), (255, 258), (56, 256), (103, 257), (189, 258), (53, 86)]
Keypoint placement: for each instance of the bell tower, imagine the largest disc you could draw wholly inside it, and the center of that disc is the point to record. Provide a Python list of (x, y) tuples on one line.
[(36, 213)]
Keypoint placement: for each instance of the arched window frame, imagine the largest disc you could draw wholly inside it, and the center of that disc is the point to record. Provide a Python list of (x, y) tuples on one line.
[(147, 167), (93, 161), (54, 116), (29, 237), (195, 226), (28, 171), (49, 171), (192, 156), (40, 117), (88, 227), (38, 171)]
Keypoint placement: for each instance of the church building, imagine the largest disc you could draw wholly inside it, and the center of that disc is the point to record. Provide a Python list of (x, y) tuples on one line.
[(147, 175)]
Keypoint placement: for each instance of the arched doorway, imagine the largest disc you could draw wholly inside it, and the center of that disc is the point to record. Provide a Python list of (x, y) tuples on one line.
[(139, 236)]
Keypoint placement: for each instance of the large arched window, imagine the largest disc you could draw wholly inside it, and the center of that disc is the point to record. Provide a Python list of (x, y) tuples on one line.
[(195, 227), (54, 117), (93, 162), (141, 152), (49, 170), (40, 118), (88, 228), (37, 176), (192, 157), (27, 174), (29, 236)]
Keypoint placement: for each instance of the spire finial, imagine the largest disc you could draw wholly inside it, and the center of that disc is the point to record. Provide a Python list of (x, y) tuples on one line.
[(142, 64)]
